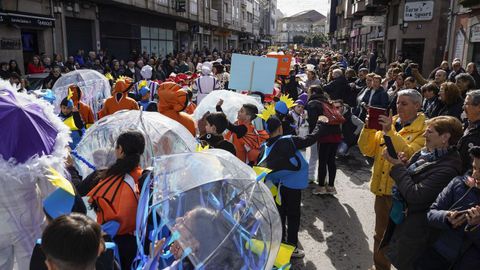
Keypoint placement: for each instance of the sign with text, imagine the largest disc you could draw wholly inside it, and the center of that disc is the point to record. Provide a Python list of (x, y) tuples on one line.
[(284, 61), (252, 73), (373, 20), (10, 44), (475, 33), (418, 11)]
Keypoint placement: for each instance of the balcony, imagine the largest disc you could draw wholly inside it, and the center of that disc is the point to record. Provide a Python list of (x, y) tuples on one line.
[(243, 3), (359, 8)]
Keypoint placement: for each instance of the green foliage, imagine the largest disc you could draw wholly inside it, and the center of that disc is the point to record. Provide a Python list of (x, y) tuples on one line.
[(316, 40), (298, 39)]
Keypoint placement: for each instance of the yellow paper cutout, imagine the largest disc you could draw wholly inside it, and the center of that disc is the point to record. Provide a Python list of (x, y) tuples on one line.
[(59, 181)]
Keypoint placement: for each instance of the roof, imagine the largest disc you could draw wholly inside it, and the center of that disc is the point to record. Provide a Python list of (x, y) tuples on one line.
[(307, 15)]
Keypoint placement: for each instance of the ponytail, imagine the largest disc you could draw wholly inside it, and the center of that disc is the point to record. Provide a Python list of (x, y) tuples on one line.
[(133, 145)]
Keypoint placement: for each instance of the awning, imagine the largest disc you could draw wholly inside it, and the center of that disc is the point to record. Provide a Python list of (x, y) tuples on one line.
[(26, 19)]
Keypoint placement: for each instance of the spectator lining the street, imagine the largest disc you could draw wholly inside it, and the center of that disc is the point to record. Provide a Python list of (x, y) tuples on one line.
[(451, 100), (418, 182), (471, 137), (406, 131)]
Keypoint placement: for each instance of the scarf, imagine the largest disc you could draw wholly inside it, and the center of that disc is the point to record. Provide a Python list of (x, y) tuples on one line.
[(427, 158)]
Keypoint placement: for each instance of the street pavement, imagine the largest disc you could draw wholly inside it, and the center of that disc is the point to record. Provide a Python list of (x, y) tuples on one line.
[(337, 231)]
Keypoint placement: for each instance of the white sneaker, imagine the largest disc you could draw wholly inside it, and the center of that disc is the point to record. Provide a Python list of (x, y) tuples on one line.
[(298, 253), (331, 190), (319, 191)]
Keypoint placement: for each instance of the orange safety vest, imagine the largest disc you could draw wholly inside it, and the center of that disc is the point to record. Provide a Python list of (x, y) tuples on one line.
[(116, 198)]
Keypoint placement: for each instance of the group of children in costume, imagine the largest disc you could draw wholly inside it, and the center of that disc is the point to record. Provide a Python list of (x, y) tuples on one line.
[(115, 194)]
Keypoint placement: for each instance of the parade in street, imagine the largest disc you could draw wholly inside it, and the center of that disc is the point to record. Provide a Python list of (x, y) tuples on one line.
[(240, 134)]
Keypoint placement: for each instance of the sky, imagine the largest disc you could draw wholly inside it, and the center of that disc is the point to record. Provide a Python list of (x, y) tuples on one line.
[(290, 7)]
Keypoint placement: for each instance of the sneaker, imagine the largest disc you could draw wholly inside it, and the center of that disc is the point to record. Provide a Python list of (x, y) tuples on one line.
[(298, 253), (331, 190), (319, 191)]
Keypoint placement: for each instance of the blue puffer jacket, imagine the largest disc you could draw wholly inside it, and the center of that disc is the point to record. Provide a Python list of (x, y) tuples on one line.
[(450, 241)]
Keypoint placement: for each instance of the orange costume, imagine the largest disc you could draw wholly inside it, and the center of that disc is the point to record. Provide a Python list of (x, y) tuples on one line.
[(172, 100), (85, 111), (119, 99), (247, 146), (190, 108)]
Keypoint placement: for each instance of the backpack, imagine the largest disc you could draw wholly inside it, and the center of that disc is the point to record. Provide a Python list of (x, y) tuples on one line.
[(333, 115)]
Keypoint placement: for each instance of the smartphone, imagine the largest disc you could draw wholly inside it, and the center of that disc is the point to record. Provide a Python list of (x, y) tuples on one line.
[(373, 116), (390, 148)]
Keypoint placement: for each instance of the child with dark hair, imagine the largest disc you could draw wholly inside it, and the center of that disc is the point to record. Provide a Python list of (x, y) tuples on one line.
[(243, 134), (115, 197), (216, 123), (72, 242), (289, 172), (190, 109), (70, 116)]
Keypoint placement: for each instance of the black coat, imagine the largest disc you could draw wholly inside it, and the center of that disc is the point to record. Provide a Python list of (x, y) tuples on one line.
[(454, 109), (409, 239), (217, 141), (339, 89), (471, 137)]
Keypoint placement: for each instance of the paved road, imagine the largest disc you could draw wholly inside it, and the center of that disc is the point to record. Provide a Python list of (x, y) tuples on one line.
[(337, 232)]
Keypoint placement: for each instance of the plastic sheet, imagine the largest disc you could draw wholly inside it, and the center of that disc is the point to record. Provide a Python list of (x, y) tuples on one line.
[(213, 202), (162, 135), (232, 102), (95, 88)]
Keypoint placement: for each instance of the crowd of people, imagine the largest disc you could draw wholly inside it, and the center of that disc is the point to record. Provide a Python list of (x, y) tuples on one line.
[(421, 135)]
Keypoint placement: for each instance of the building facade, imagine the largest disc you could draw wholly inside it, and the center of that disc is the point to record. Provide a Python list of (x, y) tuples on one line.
[(393, 29), (301, 24), (464, 38), (157, 27)]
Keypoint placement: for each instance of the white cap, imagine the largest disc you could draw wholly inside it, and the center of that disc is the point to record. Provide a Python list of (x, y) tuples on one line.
[(146, 72)]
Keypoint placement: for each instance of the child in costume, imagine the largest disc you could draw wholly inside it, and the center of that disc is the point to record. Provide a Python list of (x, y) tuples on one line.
[(23, 179), (115, 197), (145, 103), (85, 111), (146, 74), (299, 116), (119, 99), (243, 134), (70, 116), (280, 153), (216, 123), (190, 109), (282, 108), (65, 200), (172, 103)]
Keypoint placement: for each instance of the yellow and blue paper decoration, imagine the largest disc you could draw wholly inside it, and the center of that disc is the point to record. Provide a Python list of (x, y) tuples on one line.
[(262, 172), (200, 148), (69, 98), (282, 261), (284, 104), (61, 201)]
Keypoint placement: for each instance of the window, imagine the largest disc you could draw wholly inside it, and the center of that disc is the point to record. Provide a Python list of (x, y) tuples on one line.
[(162, 2), (156, 41), (194, 7), (243, 15), (395, 11), (226, 7), (207, 3)]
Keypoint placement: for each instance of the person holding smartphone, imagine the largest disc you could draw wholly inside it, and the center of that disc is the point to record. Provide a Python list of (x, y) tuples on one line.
[(405, 130), (417, 184), (456, 215)]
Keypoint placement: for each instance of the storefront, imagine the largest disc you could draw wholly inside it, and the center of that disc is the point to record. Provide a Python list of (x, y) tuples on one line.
[(23, 35), (137, 32)]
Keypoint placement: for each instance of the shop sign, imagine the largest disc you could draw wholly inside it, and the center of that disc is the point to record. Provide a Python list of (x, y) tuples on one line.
[(373, 20), (459, 45), (10, 44), (26, 20), (475, 33), (418, 11)]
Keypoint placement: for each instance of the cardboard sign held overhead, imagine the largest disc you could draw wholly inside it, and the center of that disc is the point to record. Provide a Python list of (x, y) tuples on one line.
[(284, 61), (252, 73)]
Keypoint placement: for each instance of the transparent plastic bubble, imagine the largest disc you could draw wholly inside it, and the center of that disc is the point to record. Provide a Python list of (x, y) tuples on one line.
[(95, 88), (162, 136), (223, 217), (232, 102)]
